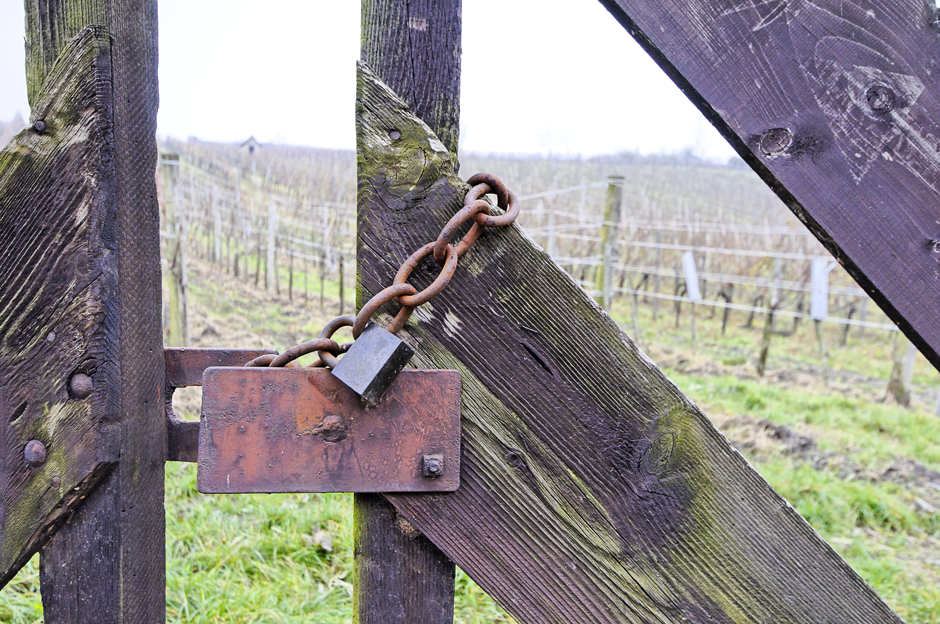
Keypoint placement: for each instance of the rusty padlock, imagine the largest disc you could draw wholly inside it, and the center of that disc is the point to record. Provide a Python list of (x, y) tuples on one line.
[(372, 363)]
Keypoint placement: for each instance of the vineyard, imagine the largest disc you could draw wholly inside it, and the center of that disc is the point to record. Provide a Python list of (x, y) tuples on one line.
[(283, 219)]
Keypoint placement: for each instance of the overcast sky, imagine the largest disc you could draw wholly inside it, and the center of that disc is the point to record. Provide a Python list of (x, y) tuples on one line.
[(284, 71)]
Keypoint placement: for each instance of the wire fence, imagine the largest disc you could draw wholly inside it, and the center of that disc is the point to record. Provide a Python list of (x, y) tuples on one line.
[(280, 231)]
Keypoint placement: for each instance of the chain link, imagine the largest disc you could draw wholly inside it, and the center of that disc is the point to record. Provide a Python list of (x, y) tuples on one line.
[(407, 296)]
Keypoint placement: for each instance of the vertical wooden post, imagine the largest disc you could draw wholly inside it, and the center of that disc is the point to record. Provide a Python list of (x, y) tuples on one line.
[(107, 564), (342, 285), (271, 274), (902, 369), (175, 274), (821, 340), (216, 226), (414, 47), (610, 232), (241, 245), (322, 277), (552, 235), (659, 253)]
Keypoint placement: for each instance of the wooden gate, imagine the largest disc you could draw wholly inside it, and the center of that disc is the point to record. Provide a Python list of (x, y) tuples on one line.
[(592, 489)]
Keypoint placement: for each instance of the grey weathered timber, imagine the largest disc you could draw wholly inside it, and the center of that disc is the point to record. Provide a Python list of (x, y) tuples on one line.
[(400, 575), (592, 489), (174, 274), (414, 45), (107, 564), (610, 238), (836, 106), (58, 288)]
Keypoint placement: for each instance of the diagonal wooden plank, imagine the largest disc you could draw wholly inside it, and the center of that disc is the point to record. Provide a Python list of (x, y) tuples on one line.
[(592, 489), (836, 106), (54, 188)]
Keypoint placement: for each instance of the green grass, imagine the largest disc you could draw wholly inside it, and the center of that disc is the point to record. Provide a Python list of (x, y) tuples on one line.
[(260, 558)]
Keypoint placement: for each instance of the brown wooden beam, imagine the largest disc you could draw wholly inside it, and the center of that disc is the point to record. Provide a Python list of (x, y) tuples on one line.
[(107, 564), (56, 434), (401, 577), (838, 111), (592, 489)]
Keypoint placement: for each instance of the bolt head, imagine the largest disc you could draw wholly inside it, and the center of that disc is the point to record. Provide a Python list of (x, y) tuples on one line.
[(81, 386), (40, 126), (56, 482), (394, 135), (775, 141), (35, 453), (433, 466)]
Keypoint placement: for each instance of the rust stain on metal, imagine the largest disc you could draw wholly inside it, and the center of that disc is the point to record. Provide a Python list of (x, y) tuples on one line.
[(184, 368), (302, 430)]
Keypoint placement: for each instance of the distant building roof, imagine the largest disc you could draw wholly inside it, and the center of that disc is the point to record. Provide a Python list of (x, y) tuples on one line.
[(251, 144)]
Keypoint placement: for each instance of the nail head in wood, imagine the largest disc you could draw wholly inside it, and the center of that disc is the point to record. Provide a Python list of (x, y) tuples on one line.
[(775, 141), (35, 453), (81, 386), (39, 126)]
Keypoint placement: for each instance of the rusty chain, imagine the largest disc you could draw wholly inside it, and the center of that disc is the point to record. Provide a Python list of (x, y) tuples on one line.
[(475, 209)]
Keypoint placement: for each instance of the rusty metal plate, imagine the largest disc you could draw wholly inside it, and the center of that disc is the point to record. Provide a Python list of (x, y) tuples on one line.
[(184, 367), (302, 430)]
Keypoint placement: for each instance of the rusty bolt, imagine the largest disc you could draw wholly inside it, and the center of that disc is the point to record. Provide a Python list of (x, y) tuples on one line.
[(881, 99), (56, 482), (433, 466), (81, 385), (35, 453), (39, 126), (775, 140)]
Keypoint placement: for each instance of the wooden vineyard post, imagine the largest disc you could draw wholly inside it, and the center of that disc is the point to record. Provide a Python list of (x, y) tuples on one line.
[(174, 275), (401, 577), (81, 358), (902, 369), (216, 226), (342, 284), (610, 234), (271, 275)]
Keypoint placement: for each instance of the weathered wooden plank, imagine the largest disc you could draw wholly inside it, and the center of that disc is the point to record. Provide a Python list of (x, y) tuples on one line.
[(55, 186), (592, 489), (401, 577), (836, 106), (108, 563), (414, 46)]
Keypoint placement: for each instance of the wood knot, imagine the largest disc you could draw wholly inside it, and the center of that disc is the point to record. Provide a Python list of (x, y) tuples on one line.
[(775, 141)]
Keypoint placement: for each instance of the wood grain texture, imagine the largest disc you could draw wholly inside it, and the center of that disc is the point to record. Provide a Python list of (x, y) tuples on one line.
[(108, 563), (854, 86), (57, 287), (414, 45), (592, 489), (401, 577)]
